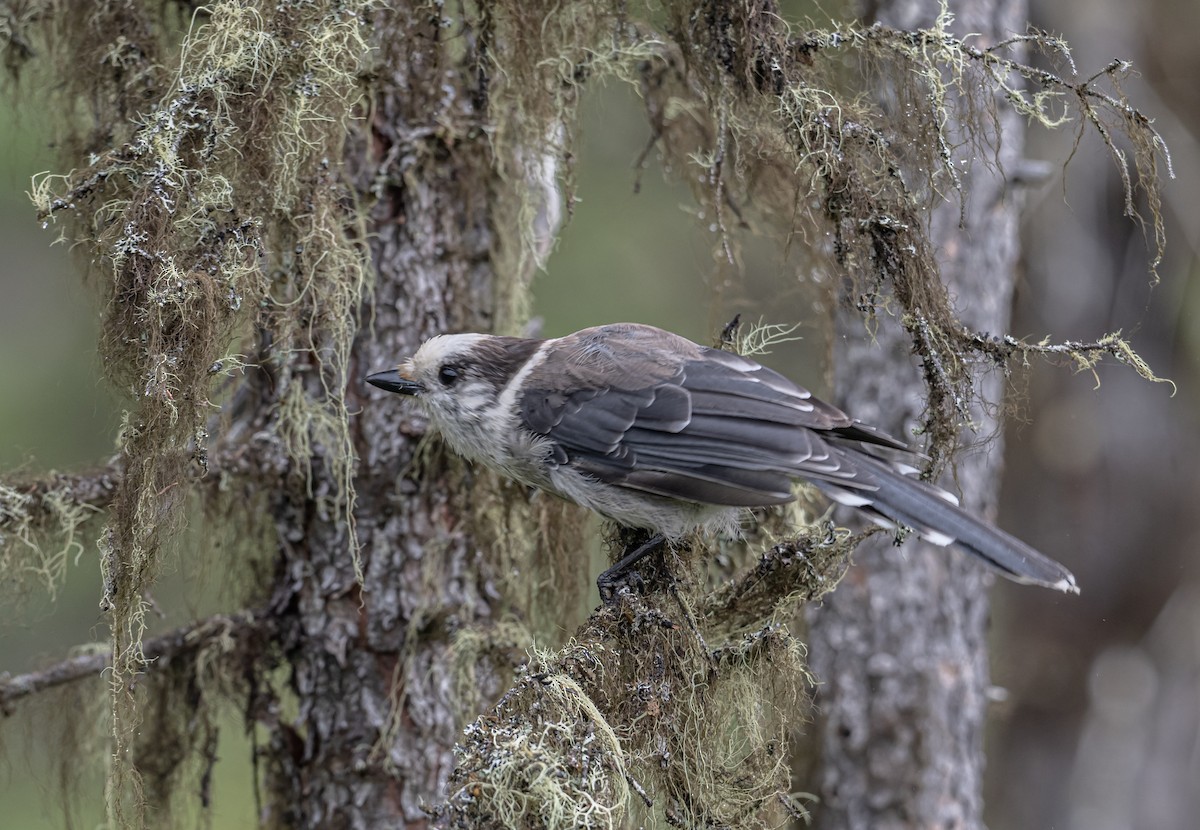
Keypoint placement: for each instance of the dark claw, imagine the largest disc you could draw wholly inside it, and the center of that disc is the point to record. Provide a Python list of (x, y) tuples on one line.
[(621, 576)]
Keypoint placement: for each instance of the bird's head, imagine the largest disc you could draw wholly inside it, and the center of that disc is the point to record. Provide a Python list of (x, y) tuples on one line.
[(446, 375), (459, 380)]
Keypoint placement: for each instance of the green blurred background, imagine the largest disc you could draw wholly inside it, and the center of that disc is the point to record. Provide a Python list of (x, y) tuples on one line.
[(1101, 726)]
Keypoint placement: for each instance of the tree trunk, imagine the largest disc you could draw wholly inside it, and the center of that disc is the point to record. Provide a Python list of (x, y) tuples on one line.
[(376, 723), (900, 647)]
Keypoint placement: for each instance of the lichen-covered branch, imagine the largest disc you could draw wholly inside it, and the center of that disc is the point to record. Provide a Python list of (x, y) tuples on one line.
[(40, 498), (786, 576), (673, 706), (42, 518), (1084, 355), (40, 526), (224, 631)]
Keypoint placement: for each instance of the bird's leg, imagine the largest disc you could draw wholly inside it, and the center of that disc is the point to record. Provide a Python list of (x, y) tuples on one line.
[(609, 581)]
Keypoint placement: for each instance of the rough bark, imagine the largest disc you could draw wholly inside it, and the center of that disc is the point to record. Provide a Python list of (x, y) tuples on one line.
[(375, 728), (900, 647)]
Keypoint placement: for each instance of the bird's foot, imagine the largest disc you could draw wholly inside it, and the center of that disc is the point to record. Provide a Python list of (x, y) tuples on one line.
[(621, 578)]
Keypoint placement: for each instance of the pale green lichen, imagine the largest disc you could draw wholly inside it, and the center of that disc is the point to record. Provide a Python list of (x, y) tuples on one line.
[(636, 722), (217, 209), (40, 537)]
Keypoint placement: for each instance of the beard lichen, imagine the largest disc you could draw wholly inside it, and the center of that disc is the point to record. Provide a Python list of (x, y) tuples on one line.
[(845, 136), (41, 534), (537, 543), (637, 721), (213, 213), (674, 707)]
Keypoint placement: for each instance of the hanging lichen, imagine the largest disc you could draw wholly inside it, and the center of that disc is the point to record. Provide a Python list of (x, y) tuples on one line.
[(839, 137), (217, 209)]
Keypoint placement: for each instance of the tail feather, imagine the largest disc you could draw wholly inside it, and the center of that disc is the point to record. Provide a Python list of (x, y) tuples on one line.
[(929, 511)]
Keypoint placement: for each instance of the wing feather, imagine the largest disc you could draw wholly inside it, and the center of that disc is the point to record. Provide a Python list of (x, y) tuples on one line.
[(645, 410), (698, 483), (715, 428)]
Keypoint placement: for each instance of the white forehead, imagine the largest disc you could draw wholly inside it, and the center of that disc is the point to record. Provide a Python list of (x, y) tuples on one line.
[(437, 350)]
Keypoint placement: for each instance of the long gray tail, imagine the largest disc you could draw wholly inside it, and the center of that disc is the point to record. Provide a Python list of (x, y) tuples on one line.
[(935, 516)]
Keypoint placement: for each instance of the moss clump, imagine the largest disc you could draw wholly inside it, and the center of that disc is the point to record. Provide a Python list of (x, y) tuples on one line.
[(674, 707), (562, 768), (636, 720)]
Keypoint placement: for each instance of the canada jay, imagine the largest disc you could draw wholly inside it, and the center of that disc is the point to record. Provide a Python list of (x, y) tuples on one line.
[(655, 431)]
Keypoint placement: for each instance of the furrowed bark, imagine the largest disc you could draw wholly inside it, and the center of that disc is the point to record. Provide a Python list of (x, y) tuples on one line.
[(900, 647), (372, 739)]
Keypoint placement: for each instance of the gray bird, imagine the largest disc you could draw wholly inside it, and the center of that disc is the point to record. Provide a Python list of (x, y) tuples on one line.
[(654, 431)]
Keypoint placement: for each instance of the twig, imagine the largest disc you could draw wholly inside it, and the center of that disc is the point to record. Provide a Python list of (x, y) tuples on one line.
[(43, 499), (640, 790), (94, 489), (157, 651)]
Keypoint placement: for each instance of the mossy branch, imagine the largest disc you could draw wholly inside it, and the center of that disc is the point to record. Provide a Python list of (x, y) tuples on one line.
[(225, 630), (786, 576), (638, 718), (42, 517), (40, 526), (1085, 355)]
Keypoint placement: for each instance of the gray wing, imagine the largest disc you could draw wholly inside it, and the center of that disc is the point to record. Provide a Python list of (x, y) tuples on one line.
[(716, 428)]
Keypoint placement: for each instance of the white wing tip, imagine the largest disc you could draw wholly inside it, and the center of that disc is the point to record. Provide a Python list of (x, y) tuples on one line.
[(936, 538), (948, 496), (1066, 585), (848, 499)]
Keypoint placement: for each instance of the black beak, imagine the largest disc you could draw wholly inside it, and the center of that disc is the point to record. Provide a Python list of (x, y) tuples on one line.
[(393, 381)]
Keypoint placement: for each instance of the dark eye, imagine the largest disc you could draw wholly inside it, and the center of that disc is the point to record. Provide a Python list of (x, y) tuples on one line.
[(447, 375)]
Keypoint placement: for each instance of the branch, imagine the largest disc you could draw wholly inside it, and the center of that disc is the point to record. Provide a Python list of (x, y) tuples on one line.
[(38, 501), (41, 502), (627, 707), (156, 652), (1085, 355), (787, 575)]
